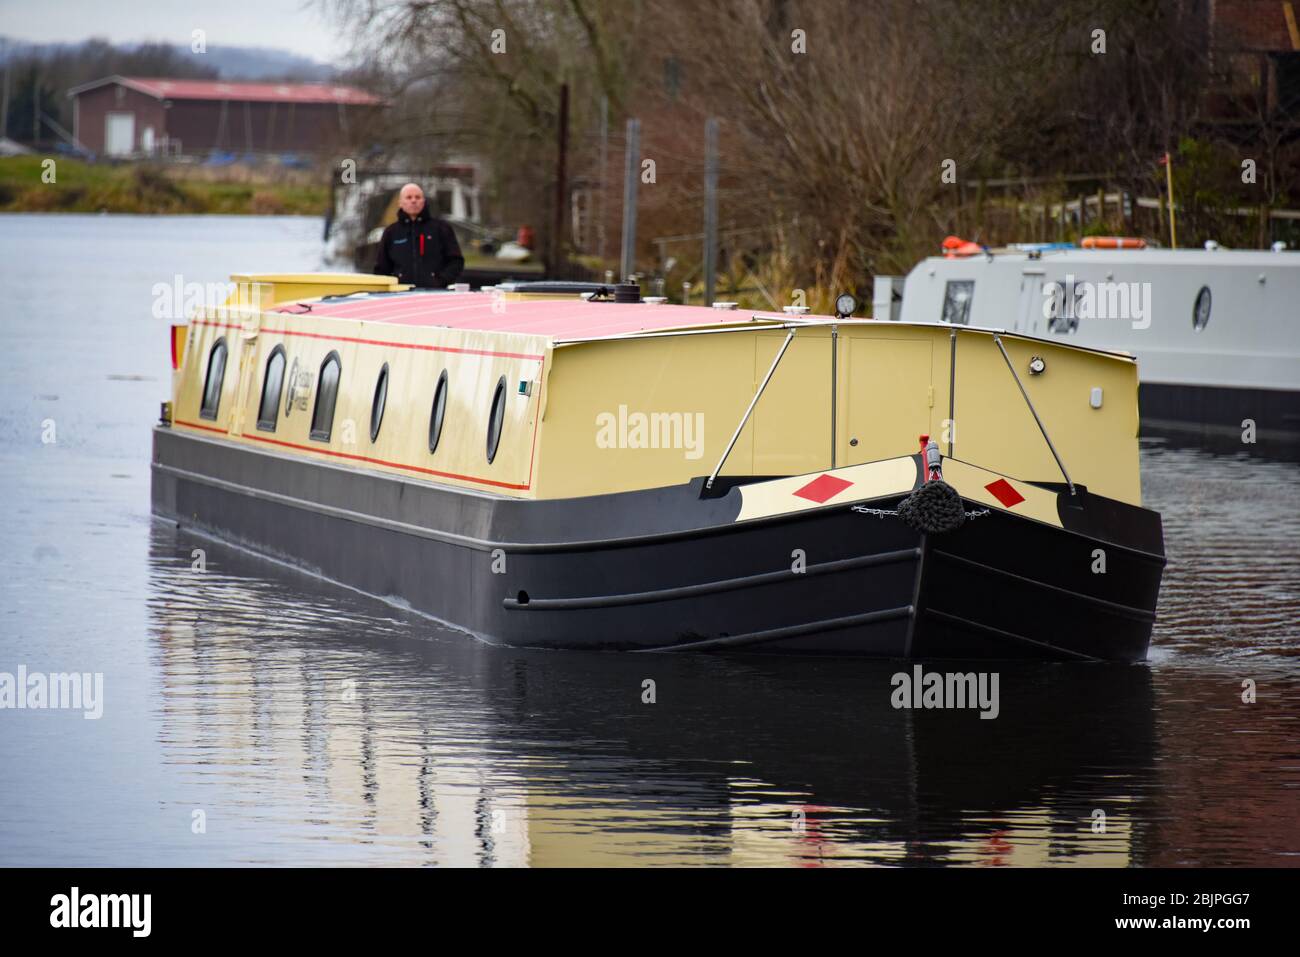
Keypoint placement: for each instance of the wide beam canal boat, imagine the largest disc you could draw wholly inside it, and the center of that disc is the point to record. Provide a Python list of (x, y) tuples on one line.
[(588, 470)]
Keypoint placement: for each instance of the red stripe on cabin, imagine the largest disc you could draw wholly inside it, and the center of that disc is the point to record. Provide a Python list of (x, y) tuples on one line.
[(374, 342), (364, 458)]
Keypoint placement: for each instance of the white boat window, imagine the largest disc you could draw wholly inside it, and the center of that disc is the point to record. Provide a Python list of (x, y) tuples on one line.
[(272, 384), (439, 411), (327, 392), (377, 405), (212, 383), (496, 417), (957, 296)]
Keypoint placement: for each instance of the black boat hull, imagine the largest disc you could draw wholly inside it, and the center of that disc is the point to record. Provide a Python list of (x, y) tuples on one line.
[(1263, 422), (667, 569)]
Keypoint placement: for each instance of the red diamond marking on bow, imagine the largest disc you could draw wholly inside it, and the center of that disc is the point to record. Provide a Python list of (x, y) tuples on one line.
[(823, 488), (1004, 492)]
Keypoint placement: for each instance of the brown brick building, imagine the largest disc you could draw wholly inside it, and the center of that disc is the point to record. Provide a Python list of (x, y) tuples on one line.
[(1255, 59), (133, 116)]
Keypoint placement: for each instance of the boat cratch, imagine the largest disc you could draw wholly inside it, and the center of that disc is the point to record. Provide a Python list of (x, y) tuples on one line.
[(570, 467)]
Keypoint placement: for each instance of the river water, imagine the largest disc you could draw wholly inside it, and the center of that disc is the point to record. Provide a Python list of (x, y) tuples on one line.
[(254, 715)]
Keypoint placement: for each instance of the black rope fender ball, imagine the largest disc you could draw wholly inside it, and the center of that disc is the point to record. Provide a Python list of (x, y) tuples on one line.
[(934, 508)]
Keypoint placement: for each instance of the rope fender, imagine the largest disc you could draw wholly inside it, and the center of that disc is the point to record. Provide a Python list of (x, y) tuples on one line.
[(934, 508)]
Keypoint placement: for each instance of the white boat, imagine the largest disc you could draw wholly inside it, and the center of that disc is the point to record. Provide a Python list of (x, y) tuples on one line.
[(1216, 332)]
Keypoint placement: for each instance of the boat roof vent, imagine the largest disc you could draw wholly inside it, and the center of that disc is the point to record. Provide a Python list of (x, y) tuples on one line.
[(627, 292)]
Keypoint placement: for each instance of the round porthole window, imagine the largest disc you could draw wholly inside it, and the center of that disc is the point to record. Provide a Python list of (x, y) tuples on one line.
[(1201, 310), (377, 405), (439, 411), (496, 416)]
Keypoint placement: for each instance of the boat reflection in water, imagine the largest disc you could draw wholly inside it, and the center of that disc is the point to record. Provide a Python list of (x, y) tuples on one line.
[(361, 726)]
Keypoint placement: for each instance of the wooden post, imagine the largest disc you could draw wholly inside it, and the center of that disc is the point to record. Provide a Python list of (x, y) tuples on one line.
[(1169, 176), (710, 208), (1160, 216), (4, 103), (604, 167), (561, 187)]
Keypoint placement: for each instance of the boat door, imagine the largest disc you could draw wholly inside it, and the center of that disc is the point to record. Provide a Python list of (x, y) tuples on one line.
[(1030, 312), (888, 400), (249, 329)]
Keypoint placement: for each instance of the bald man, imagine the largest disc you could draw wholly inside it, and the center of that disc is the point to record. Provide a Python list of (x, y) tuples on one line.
[(419, 249)]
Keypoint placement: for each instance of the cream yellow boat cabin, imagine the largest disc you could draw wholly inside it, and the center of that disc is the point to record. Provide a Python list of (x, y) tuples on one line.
[(567, 466)]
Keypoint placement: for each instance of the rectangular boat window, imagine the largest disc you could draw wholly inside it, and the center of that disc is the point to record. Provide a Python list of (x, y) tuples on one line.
[(327, 391), (957, 296), (272, 385), (212, 383)]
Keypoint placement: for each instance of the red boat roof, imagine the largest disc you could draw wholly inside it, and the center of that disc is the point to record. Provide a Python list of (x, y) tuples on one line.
[(170, 89), (556, 318)]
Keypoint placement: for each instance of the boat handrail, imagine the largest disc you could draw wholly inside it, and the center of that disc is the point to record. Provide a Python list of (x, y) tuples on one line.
[(1034, 412), (750, 411)]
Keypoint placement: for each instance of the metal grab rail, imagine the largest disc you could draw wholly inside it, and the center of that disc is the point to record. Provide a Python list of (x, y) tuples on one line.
[(1034, 412), (750, 411)]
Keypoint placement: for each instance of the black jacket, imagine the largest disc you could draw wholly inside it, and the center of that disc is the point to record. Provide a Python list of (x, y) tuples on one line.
[(420, 250)]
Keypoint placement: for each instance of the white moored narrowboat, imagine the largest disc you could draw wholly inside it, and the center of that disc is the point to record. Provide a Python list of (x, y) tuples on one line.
[(1217, 331)]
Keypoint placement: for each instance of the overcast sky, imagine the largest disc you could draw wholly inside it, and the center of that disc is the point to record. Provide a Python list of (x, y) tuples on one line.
[(296, 25)]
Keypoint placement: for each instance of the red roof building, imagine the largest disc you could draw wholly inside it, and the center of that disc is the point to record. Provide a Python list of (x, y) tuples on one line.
[(133, 116)]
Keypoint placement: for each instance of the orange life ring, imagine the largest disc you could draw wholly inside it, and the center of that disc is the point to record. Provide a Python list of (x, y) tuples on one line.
[(955, 247), (1113, 242)]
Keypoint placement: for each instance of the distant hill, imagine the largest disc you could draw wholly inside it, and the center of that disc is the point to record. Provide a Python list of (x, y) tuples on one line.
[(260, 63), (231, 63)]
